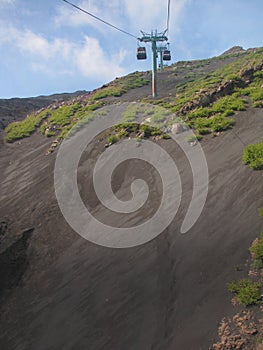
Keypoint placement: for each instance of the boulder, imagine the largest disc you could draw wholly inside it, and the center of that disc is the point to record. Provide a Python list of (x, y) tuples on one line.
[(178, 128)]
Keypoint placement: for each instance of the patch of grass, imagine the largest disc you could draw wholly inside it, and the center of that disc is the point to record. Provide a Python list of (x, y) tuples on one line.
[(159, 116), (107, 92), (121, 86), (188, 92), (130, 114), (216, 123), (220, 123), (112, 139), (50, 133), (255, 93), (83, 111), (256, 250), (165, 136), (18, 130), (136, 129), (150, 130), (194, 138), (253, 156), (67, 116), (258, 264), (63, 115), (247, 292), (229, 103), (129, 127), (260, 211)]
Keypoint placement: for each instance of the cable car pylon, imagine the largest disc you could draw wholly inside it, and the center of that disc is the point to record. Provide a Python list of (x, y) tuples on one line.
[(154, 37)]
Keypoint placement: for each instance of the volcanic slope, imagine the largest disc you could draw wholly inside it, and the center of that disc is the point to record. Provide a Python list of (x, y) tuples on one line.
[(59, 291), (17, 108)]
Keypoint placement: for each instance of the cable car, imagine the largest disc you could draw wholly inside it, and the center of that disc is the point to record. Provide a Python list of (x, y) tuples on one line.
[(167, 55), (141, 53)]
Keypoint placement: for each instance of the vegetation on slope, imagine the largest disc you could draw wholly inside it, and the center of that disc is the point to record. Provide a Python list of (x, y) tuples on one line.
[(18, 130), (245, 329), (253, 156), (58, 120), (205, 102), (256, 251), (247, 292), (121, 86)]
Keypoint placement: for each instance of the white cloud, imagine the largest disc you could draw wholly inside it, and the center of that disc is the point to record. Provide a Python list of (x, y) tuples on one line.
[(60, 56), (7, 2), (69, 16), (150, 15), (130, 15), (109, 11), (94, 62)]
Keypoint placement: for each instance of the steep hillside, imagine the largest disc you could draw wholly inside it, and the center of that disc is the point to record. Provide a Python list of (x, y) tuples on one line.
[(60, 291), (15, 109)]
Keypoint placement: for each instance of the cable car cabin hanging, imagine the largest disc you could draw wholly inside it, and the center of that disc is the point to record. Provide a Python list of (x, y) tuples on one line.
[(167, 55), (141, 53)]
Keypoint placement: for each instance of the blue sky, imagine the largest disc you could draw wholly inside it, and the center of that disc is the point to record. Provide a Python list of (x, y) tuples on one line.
[(47, 46)]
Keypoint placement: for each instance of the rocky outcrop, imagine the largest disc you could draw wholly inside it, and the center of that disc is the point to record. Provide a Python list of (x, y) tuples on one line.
[(238, 333), (208, 96), (178, 128), (13, 260), (234, 50)]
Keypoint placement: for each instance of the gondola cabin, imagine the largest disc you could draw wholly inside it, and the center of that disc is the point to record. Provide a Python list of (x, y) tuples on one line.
[(141, 53), (167, 55)]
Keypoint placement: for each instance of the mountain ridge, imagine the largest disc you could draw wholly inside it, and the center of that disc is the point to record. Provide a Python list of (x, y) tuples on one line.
[(16, 108)]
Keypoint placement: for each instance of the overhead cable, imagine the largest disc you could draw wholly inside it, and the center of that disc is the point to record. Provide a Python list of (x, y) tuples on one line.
[(168, 15), (101, 20)]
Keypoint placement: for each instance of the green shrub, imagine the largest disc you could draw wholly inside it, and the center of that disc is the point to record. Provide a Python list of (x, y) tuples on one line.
[(67, 130), (125, 129), (112, 139), (50, 133), (247, 292), (256, 248), (260, 211), (220, 123), (121, 86), (165, 136), (108, 91), (258, 104), (150, 130), (253, 156), (255, 92), (258, 264), (43, 128), (64, 114), (200, 113), (258, 74), (230, 103), (129, 127)]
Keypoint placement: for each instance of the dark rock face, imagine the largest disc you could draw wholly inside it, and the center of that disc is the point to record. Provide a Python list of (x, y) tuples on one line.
[(3, 227), (13, 261)]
